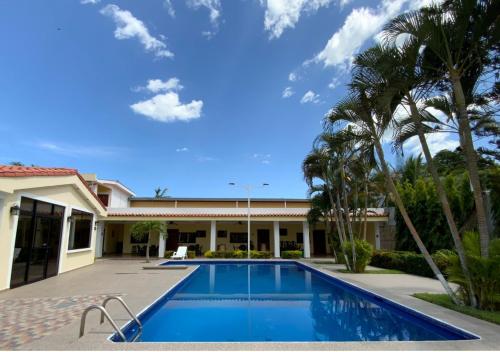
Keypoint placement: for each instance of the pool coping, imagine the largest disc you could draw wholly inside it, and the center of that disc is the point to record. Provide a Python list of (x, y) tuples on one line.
[(466, 334)]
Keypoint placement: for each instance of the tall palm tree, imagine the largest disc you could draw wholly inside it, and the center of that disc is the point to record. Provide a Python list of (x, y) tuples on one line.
[(458, 39), (361, 110), (397, 73), (149, 227)]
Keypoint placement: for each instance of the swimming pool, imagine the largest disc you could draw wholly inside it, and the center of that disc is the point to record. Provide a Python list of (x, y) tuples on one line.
[(250, 301)]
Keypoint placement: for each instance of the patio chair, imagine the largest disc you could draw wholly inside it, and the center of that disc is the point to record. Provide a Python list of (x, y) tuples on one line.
[(181, 253)]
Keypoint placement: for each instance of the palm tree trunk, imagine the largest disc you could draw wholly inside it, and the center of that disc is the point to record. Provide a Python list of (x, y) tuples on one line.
[(337, 222), (471, 162), (348, 217), (365, 223), (444, 200), (402, 209)]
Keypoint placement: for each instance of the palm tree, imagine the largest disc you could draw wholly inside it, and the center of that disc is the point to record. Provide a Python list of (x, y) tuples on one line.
[(362, 111), (149, 227), (160, 192), (318, 165), (458, 40), (396, 73)]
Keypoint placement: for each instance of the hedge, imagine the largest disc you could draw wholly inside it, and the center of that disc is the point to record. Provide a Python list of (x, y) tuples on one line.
[(237, 254), (409, 262), (291, 254)]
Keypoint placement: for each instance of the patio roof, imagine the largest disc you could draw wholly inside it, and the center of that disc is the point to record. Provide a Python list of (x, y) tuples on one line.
[(220, 212)]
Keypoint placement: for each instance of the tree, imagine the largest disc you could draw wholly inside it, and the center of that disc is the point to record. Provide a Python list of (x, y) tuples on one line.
[(362, 110), (161, 192), (396, 75), (148, 227), (459, 41)]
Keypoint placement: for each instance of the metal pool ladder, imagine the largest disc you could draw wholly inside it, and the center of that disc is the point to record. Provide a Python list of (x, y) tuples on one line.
[(104, 313)]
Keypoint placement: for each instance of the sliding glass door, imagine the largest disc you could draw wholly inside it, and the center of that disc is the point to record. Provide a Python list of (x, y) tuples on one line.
[(38, 237)]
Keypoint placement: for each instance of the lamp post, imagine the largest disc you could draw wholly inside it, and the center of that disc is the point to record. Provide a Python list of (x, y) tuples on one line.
[(248, 188)]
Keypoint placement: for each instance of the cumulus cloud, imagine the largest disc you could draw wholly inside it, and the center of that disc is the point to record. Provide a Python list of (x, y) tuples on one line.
[(292, 77), (436, 142), (128, 26), (182, 150), (287, 92), (310, 97), (334, 83), (167, 107), (93, 2), (157, 85), (283, 14), (361, 25)]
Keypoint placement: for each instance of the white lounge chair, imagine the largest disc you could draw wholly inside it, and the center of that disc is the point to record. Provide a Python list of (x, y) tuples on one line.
[(181, 253)]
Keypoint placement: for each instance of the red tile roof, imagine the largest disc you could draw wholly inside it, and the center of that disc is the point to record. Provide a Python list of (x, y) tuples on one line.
[(30, 171), (26, 171)]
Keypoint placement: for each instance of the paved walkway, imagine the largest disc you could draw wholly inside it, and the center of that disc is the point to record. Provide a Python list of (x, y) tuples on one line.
[(45, 315)]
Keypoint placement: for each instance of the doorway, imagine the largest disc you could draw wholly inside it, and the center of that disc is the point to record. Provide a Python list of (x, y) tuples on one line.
[(172, 239), (38, 238), (319, 242), (263, 243)]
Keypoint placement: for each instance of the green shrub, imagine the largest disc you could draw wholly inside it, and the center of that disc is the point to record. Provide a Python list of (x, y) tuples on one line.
[(239, 254), (409, 262), (442, 259), (260, 255), (291, 254), (363, 250), (168, 254), (209, 254), (484, 272), (191, 254)]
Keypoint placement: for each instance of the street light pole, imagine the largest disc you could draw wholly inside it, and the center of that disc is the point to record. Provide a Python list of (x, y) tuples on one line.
[(248, 188)]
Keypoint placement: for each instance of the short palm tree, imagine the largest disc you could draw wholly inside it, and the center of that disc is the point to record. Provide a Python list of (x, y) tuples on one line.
[(149, 227)]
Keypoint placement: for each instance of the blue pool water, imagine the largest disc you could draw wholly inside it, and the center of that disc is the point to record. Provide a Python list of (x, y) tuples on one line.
[(278, 301)]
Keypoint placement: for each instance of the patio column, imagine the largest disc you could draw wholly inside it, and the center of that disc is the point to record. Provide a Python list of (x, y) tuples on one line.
[(99, 238), (162, 244), (377, 235), (276, 234), (213, 235), (305, 237)]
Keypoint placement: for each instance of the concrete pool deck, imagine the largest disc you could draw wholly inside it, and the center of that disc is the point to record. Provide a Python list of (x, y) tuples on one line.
[(46, 315)]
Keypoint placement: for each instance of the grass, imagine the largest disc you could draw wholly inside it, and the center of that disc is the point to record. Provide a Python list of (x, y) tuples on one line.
[(444, 300), (380, 271)]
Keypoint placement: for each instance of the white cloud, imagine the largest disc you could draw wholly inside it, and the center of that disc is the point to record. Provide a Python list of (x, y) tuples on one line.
[(283, 14), (168, 108), (310, 97), (128, 26), (78, 150), (157, 85), (435, 141), (335, 82), (344, 3), (205, 159), (214, 8), (287, 93), (361, 25), (292, 77), (93, 2), (262, 158), (182, 150), (170, 8)]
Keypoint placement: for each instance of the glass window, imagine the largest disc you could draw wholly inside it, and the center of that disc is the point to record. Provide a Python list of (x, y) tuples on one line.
[(283, 232), (238, 237), (80, 230)]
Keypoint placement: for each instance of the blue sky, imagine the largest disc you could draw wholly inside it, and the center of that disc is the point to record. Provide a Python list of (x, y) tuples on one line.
[(183, 94)]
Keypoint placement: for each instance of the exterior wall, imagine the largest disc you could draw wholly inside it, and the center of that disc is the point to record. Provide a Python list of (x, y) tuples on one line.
[(64, 195), (118, 198), (154, 203)]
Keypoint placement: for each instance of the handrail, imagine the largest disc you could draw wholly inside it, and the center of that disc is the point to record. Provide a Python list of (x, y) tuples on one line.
[(129, 311), (103, 313)]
